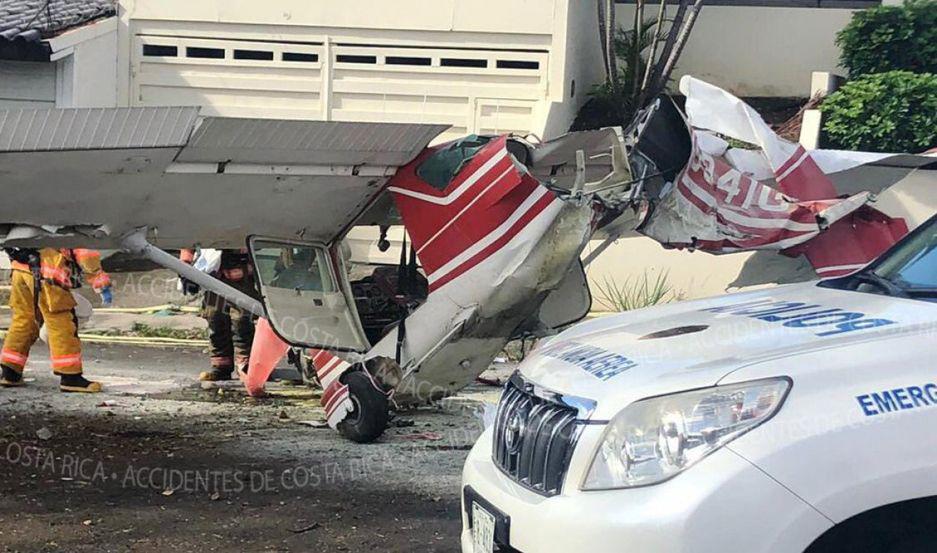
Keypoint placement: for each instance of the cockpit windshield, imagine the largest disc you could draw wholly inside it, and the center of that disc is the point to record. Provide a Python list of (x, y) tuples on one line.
[(443, 166)]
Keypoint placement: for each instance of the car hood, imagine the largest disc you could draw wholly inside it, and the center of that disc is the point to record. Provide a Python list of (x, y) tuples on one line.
[(618, 359)]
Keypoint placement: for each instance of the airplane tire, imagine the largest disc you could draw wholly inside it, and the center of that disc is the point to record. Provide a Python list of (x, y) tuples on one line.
[(368, 420)]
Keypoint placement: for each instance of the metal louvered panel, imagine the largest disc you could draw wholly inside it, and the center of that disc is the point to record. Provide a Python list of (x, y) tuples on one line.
[(534, 437), (39, 130), (307, 142)]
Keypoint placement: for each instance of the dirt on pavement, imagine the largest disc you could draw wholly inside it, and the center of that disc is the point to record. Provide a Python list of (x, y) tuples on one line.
[(160, 463)]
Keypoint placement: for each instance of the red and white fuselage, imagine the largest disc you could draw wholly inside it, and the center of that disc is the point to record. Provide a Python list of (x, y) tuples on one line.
[(493, 244)]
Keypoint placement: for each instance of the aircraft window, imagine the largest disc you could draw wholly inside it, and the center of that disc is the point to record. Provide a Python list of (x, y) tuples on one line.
[(159, 50), (299, 56), (442, 167), (293, 267)]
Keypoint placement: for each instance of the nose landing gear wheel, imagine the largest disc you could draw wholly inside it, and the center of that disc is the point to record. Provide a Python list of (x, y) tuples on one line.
[(368, 418)]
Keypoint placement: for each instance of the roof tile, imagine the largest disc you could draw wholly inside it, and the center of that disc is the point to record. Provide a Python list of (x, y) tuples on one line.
[(49, 17)]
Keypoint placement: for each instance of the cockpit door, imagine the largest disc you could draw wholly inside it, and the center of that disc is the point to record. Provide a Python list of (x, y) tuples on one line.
[(306, 294)]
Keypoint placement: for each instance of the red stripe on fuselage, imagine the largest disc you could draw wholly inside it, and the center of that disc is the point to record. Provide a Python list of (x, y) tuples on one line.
[(454, 220), (503, 240)]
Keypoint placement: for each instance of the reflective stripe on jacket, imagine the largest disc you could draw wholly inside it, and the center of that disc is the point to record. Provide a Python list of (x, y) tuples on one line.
[(57, 266)]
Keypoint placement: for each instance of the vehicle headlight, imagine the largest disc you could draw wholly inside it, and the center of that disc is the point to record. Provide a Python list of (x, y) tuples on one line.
[(655, 439)]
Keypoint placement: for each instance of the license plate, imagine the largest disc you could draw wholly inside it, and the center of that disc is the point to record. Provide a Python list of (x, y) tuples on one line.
[(483, 530)]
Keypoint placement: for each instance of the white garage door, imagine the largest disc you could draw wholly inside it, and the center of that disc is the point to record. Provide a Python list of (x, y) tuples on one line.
[(481, 91)]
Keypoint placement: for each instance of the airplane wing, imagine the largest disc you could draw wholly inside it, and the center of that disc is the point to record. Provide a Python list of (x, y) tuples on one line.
[(88, 177)]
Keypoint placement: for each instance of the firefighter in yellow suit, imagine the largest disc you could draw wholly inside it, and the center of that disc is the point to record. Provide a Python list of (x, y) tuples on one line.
[(40, 293)]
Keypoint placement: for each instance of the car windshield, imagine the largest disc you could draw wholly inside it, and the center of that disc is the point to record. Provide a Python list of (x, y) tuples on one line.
[(908, 270), (913, 265)]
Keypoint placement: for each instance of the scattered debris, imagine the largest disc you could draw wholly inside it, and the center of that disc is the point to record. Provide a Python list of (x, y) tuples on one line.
[(459, 447), (306, 528), (489, 381), (314, 423), (43, 433), (430, 436)]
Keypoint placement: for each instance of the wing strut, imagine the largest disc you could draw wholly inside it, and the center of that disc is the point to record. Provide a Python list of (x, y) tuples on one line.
[(135, 243)]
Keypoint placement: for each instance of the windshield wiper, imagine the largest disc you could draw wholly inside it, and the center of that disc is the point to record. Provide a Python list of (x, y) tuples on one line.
[(881, 283)]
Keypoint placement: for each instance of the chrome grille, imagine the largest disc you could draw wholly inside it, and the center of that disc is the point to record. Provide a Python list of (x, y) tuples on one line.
[(534, 437)]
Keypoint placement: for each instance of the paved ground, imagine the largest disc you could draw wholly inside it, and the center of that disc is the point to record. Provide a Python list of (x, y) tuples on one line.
[(160, 464)]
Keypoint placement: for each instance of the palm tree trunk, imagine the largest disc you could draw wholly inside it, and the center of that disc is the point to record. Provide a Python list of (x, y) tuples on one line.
[(600, 9), (610, 31)]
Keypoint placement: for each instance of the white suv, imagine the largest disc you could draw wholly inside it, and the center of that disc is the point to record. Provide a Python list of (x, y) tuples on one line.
[(800, 418)]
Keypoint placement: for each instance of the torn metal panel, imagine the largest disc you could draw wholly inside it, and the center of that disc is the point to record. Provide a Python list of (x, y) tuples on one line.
[(554, 161), (778, 197), (716, 207), (561, 150)]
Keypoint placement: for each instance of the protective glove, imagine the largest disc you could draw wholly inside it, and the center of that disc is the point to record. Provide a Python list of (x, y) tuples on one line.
[(107, 296), (189, 288)]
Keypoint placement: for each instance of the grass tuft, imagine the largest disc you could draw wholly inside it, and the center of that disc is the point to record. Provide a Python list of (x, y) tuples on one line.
[(636, 293)]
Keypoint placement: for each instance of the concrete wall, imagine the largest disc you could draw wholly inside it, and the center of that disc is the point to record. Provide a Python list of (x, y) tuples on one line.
[(95, 72), (86, 66), (690, 274), (577, 65), (759, 51), (27, 85)]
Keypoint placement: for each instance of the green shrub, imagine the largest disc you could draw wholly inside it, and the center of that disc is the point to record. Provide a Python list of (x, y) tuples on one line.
[(891, 38), (883, 112), (615, 104)]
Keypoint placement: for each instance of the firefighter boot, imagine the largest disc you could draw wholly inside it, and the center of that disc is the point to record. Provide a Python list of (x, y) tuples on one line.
[(216, 374), (10, 378), (78, 383)]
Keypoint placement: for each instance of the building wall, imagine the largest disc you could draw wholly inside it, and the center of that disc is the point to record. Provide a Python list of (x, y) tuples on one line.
[(92, 68), (759, 51), (690, 275), (375, 62), (27, 85)]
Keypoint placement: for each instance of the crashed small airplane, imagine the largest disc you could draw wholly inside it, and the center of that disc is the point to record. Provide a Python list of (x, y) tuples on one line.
[(496, 224)]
